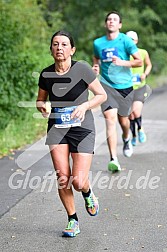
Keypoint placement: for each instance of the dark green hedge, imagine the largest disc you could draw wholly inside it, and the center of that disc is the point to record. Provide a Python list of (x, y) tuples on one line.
[(17, 63)]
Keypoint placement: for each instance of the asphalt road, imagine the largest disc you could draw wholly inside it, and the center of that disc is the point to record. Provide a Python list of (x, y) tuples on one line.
[(133, 203)]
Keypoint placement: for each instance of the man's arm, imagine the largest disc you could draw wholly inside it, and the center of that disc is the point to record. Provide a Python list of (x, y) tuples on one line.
[(137, 62), (147, 66)]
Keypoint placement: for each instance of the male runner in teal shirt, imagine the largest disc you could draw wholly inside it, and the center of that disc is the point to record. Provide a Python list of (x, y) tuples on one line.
[(112, 54)]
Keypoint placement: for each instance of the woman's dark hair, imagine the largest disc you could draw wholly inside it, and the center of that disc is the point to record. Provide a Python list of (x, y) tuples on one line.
[(114, 12), (62, 33)]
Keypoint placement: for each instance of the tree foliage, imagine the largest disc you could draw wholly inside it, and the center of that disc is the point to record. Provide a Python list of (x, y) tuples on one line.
[(24, 45), (85, 20)]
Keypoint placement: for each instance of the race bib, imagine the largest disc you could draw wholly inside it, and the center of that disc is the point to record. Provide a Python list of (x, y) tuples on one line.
[(108, 53), (63, 118), (136, 79)]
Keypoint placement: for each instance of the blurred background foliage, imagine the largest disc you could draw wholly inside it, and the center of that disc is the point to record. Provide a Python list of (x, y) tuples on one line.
[(25, 32)]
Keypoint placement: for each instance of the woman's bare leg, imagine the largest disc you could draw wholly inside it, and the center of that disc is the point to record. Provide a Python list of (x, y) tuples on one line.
[(60, 158)]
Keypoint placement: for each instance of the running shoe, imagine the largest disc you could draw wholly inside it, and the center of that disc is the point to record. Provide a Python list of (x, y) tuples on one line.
[(91, 204), (72, 229), (127, 148), (114, 166), (134, 141), (141, 136)]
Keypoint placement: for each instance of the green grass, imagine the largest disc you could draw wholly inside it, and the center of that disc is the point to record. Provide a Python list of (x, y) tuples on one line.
[(19, 132)]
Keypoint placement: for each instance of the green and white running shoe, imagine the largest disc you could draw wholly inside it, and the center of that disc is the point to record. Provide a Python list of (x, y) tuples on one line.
[(114, 166), (72, 229)]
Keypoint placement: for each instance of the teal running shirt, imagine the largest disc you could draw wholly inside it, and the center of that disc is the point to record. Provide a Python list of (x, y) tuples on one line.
[(118, 77)]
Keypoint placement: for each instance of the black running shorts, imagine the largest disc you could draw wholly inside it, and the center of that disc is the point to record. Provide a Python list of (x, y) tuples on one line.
[(79, 139)]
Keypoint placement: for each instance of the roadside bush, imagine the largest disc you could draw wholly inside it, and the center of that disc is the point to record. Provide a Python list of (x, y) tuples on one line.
[(16, 81)]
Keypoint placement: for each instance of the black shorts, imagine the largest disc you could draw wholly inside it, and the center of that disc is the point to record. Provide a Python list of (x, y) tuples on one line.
[(121, 99), (142, 94), (79, 139)]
